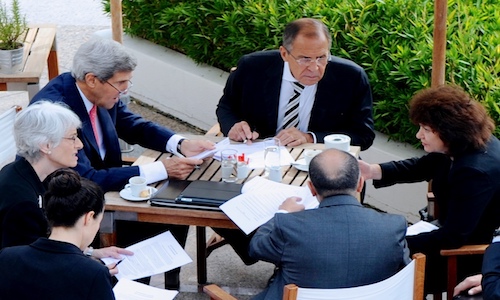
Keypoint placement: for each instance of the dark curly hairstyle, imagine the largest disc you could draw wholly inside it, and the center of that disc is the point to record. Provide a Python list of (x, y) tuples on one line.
[(461, 122), (69, 197)]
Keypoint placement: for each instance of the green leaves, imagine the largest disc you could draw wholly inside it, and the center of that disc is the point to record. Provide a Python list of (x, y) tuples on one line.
[(391, 39)]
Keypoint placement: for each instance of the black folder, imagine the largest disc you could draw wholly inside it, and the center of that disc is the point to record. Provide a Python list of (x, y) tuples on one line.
[(199, 194)]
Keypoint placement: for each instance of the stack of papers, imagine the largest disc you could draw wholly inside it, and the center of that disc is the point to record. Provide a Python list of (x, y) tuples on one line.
[(420, 227), (259, 201), (127, 289), (255, 153)]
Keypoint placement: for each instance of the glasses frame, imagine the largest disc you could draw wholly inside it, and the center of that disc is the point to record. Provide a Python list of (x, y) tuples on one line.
[(72, 138), (125, 91), (306, 61)]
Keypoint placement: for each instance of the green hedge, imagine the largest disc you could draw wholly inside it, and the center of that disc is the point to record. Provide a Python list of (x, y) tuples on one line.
[(391, 39)]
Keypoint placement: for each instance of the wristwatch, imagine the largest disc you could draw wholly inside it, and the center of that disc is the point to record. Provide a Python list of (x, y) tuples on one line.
[(88, 252), (179, 146)]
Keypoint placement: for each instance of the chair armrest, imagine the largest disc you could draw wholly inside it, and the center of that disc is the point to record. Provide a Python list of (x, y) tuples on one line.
[(216, 293), (465, 250)]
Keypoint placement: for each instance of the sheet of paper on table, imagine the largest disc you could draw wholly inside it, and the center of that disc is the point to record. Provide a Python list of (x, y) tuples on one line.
[(127, 289), (155, 255), (254, 151), (420, 227), (259, 201)]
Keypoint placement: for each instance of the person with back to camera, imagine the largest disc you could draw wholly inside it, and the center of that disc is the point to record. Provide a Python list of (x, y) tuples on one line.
[(338, 245), (463, 163), (55, 267), (46, 140), (100, 75)]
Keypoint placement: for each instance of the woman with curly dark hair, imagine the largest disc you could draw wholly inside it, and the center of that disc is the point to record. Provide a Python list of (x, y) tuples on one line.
[(463, 162), (55, 267)]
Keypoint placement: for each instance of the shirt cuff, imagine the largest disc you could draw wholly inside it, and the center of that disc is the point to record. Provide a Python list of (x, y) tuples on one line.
[(496, 239), (282, 211), (314, 136), (153, 172), (172, 144)]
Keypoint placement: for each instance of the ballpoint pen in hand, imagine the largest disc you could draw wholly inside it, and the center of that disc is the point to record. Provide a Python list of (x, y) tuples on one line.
[(116, 265)]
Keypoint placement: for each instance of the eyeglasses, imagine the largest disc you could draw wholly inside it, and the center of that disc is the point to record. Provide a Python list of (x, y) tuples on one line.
[(72, 138), (306, 61), (130, 84)]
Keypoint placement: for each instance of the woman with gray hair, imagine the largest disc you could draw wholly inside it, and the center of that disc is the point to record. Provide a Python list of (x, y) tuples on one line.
[(46, 140)]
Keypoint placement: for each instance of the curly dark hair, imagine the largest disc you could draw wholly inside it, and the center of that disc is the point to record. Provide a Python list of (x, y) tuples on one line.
[(461, 122)]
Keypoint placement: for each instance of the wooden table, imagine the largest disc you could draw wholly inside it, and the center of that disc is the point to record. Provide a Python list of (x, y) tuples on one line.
[(39, 50), (120, 209)]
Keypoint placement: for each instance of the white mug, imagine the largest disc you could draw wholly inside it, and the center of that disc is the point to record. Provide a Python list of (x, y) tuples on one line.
[(136, 185), (309, 154)]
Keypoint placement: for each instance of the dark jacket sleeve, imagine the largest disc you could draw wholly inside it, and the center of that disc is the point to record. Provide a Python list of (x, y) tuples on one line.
[(491, 272)]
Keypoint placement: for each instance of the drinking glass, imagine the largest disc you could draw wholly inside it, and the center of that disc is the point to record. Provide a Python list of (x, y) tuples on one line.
[(272, 159), (228, 165)]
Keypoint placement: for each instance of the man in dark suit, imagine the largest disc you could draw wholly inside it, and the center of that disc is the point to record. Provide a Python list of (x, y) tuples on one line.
[(336, 95), (340, 244), (101, 74)]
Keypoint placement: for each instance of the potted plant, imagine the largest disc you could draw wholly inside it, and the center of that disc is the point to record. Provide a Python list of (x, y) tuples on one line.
[(12, 30)]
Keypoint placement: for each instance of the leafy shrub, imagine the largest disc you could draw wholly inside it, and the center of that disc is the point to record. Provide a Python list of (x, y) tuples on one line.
[(391, 39)]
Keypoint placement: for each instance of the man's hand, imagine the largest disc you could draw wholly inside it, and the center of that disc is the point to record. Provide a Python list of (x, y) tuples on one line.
[(471, 283), (291, 205), (113, 252), (193, 147), (294, 137), (241, 131), (180, 167)]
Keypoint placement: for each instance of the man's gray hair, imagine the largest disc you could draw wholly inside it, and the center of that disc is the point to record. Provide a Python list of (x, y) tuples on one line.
[(308, 26), (42, 123), (103, 58)]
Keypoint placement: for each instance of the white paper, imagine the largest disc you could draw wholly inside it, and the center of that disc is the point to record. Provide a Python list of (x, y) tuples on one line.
[(127, 289), (218, 147), (259, 201), (255, 153), (420, 227), (155, 255)]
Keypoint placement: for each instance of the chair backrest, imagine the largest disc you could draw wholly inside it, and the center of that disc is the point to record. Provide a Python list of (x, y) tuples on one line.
[(407, 284), (7, 143)]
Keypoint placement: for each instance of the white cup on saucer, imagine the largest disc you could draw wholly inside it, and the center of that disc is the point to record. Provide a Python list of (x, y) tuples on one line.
[(136, 185), (309, 154)]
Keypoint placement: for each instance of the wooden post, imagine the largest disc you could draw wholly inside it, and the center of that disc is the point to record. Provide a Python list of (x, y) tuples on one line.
[(439, 48), (116, 20)]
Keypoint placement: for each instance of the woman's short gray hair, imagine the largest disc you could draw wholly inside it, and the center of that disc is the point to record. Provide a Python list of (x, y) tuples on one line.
[(103, 58), (42, 123)]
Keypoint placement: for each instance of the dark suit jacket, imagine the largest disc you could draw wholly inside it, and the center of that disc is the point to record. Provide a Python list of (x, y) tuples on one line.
[(340, 244), (467, 192), (343, 102), (53, 270), (21, 219), (117, 122), (491, 272)]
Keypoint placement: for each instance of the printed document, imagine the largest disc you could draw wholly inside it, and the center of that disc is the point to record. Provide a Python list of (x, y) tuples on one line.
[(259, 201), (420, 227), (127, 289), (155, 255)]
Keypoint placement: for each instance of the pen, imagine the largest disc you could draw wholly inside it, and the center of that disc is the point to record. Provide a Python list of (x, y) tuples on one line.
[(119, 262)]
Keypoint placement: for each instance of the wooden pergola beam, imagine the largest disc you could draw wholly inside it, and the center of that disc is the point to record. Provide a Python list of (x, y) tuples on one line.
[(439, 48)]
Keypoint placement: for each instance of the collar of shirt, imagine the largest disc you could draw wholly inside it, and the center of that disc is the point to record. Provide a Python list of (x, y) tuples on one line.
[(86, 102)]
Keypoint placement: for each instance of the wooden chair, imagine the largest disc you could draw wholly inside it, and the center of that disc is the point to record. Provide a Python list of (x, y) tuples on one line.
[(7, 143), (452, 254), (406, 284)]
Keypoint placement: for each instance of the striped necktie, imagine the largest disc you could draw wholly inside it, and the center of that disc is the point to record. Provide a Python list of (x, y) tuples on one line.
[(292, 108)]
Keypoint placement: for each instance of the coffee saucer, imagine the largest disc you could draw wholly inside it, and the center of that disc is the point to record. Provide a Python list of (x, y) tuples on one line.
[(126, 194), (301, 165)]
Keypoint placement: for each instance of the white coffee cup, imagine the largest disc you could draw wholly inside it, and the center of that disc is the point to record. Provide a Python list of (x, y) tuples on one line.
[(309, 154), (338, 141), (136, 185)]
